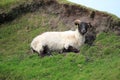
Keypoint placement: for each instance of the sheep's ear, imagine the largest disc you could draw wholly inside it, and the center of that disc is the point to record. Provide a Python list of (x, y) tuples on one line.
[(77, 22), (89, 24)]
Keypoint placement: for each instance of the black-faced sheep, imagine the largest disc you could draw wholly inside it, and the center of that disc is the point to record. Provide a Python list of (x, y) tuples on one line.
[(67, 41)]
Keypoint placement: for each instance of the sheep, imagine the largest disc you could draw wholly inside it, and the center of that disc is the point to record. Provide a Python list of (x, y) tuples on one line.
[(66, 41)]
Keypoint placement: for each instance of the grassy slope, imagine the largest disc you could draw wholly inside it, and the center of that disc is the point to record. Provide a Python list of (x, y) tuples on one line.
[(10, 3), (7, 5), (99, 62)]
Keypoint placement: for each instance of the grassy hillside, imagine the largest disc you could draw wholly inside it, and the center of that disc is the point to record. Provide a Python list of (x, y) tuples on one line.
[(98, 62), (10, 3)]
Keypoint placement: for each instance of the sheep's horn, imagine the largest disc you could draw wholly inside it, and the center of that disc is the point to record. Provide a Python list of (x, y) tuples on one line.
[(77, 21)]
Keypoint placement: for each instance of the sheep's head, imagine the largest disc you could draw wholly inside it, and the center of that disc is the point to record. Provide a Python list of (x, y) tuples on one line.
[(82, 26)]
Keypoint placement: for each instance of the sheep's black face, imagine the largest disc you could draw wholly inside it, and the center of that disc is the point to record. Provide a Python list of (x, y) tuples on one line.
[(83, 27)]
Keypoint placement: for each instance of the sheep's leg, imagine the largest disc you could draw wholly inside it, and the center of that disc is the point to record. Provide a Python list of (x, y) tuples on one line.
[(41, 54), (66, 47), (61, 51), (49, 53), (32, 50), (45, 51), (71, 49), (75, 50)]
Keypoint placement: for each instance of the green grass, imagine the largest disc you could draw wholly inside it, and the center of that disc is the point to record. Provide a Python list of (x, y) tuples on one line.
[(64, 1), (7, 2), (7, 5), (98, 62)]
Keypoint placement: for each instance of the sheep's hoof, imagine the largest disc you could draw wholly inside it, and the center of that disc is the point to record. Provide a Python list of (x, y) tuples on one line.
[(76, 51), (41, 54)]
